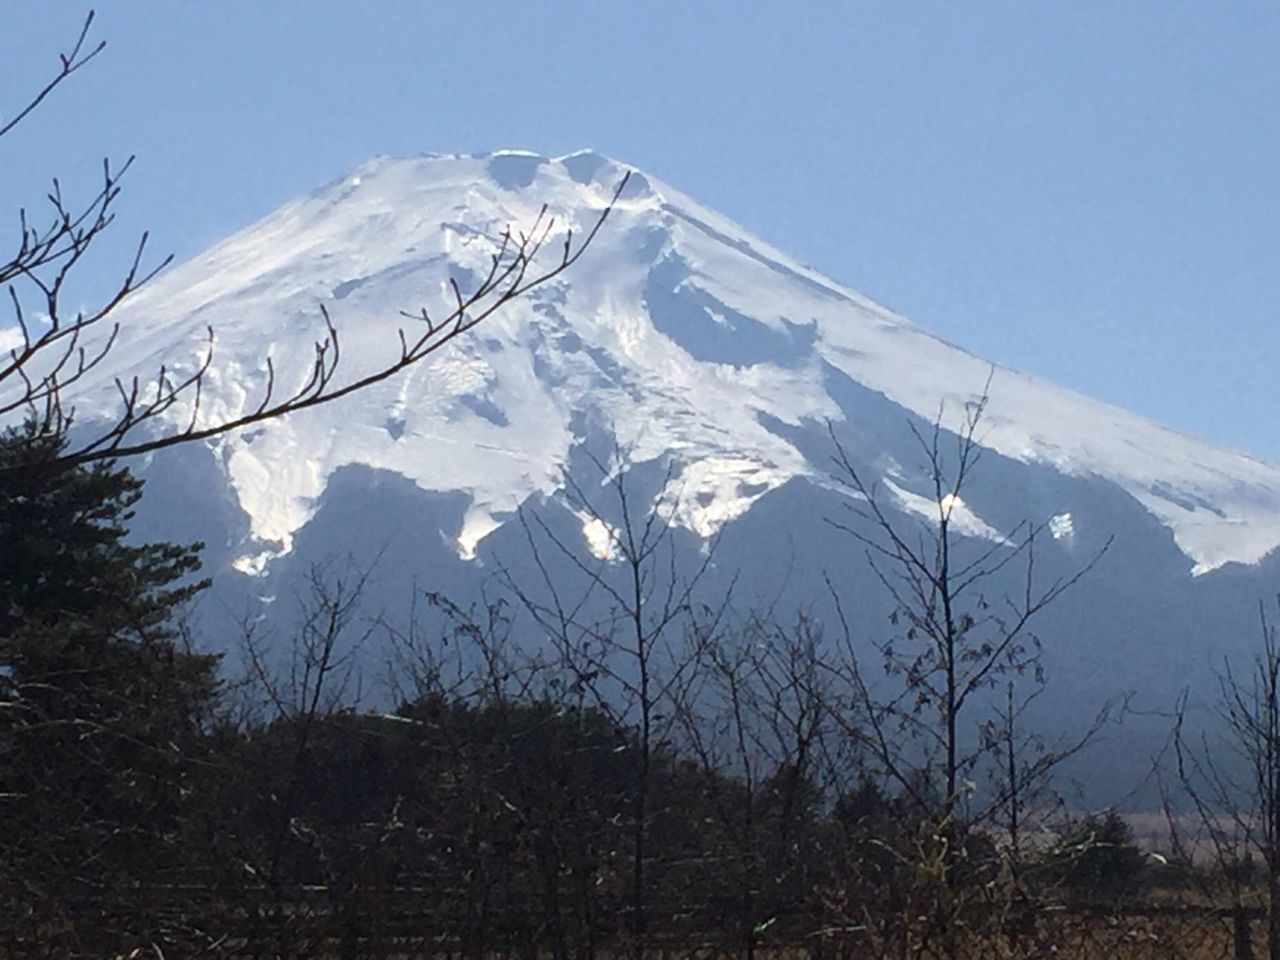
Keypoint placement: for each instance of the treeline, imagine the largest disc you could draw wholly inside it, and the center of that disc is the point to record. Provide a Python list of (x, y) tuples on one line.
[(476, 830)]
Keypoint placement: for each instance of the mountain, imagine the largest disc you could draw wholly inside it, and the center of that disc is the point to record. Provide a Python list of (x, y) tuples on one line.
[(680, 329), (695, 345)]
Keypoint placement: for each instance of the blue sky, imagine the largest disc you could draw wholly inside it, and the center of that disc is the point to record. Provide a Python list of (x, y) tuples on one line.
[(1089, 192)]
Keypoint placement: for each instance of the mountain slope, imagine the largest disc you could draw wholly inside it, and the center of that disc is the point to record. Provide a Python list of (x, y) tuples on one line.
[(678, 333)]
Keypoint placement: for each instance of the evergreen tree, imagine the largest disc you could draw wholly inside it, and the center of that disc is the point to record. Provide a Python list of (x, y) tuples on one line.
[(1100, 859), (100, 704)]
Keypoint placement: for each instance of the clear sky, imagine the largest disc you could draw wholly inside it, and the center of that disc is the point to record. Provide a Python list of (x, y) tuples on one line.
[(1086, 191)]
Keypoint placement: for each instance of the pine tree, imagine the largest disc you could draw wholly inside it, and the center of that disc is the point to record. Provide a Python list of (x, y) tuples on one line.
[(100, 704)]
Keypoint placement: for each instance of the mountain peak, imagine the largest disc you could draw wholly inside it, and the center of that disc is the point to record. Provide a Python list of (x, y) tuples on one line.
[(678, 333)]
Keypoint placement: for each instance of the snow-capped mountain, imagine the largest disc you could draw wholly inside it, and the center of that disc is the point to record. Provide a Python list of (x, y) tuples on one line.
[(714, 358), (686, 335)]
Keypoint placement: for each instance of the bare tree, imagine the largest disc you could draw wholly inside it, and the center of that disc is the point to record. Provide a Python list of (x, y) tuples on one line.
[(312, 680), (755, 718), (627, 634), (60, 348), (934, 733), (1231, 776)]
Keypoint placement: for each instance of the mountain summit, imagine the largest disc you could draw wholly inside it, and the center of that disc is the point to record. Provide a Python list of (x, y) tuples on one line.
[(678, 331)]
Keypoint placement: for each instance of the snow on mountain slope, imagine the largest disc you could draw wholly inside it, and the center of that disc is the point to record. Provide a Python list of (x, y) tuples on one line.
[(683, 333)]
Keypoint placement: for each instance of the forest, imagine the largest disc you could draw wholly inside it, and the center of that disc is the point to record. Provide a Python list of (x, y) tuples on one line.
[(666, 778)]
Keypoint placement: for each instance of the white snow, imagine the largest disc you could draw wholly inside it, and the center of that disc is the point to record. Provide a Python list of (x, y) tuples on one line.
[(601, 539), (961, 519), (1062, 527), (494, 415)]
